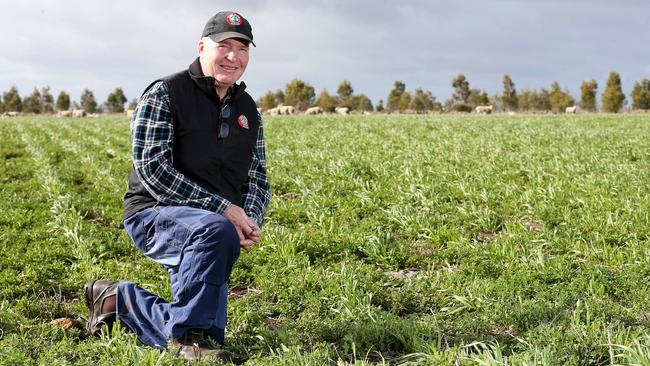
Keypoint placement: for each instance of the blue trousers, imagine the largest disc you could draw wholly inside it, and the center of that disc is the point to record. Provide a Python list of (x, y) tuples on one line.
[(198, 248)]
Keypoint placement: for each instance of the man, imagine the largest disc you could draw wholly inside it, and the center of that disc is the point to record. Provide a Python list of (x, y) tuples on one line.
[(198, 191)]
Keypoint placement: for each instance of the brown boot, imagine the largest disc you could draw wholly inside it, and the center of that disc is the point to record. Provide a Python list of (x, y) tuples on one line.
[(100, 299), (194, 346)]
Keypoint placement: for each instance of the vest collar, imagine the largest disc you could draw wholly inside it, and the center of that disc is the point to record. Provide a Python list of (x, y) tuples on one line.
[(206, 83)]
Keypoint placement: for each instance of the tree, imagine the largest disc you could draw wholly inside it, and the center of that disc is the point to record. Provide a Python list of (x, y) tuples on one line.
[(363, 103), (11, 100), (326, 101), (393, 97), (476, 98), (461, 88), (2, 106), (268, 101), (88, 102), (509, 96), (299, 94), (533, 100), (115, 101), (588, 95), (459, 99), (422, 101), (32, 103), (63, 101), (346, 95), (404, 101), (279, 97), (380, 106), (613, 98), (641, 95), (133, 104), (47, 100), (560, 99)]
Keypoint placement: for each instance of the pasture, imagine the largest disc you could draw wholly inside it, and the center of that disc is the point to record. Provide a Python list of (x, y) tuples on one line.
[(437, 240)]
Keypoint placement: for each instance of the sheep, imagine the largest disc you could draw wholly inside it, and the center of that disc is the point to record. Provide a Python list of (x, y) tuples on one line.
[(342, 110), (571, 110), (483, 109), (314, 110), (78, 113)]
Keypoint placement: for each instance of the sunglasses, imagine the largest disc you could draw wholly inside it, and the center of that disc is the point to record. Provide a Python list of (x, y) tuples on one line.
[(224, 129)]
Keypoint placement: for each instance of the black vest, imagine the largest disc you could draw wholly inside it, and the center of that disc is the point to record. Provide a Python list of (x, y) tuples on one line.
[(218, 165)]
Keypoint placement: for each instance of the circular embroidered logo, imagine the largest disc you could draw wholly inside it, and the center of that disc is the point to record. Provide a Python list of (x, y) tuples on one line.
[(233, 19), (243, 121)]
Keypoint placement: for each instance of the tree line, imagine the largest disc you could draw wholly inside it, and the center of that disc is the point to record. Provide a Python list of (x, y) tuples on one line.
[(301, 95), (42, 101)]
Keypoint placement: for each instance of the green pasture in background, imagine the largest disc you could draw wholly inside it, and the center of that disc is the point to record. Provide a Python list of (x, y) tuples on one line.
[(433, 240)]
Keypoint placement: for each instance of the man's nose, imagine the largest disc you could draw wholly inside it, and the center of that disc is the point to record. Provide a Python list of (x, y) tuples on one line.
[(231, 56)]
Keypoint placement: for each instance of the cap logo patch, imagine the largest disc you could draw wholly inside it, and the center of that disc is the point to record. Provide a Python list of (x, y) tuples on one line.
[(243, 121), (234, 19)]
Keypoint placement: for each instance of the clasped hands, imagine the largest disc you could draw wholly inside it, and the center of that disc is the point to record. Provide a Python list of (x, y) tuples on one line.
[(247, 229)]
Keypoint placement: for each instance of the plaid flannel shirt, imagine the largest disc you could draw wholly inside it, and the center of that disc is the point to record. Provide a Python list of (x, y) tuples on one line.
[(152, 136)]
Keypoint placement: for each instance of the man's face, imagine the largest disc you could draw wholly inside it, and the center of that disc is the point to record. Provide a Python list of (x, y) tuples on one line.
[(225, 61)]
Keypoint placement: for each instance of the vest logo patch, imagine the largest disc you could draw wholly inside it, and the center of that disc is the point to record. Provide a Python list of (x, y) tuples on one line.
[(233, 19), (243, 121)]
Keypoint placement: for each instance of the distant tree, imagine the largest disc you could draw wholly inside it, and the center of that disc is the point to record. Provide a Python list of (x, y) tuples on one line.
[(509, 96), (641, 95), (588, 95), (326, 101), (459, 99), (392, 103), (299, 94), (115, 101), (404, 101), (63, 101), (526, 100), (279, 97), (533, 100), (32, 103), (423, 101), (476, 98), (345, 95), (461, 88), (47, 100), (267, 101), (613, 98), (133, 104), (363, 103), (437, 106), (560, 99), (543, 101), (88, 102), (380, 106), (11, 100), (2, 106)]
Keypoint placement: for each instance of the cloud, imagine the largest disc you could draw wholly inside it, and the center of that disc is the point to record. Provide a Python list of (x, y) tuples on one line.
[(72, 45)]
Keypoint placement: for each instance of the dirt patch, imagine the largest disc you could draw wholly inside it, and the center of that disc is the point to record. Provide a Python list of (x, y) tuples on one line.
[(239, 292), (290, 196), (67, 323)]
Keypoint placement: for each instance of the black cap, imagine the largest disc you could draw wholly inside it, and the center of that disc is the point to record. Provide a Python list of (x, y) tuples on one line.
[(228, 24)]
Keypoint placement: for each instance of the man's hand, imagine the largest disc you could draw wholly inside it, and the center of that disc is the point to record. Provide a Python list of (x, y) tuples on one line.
[(247, 229)]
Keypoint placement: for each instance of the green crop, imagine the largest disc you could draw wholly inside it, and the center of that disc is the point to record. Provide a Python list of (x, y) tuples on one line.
[(433, 240)]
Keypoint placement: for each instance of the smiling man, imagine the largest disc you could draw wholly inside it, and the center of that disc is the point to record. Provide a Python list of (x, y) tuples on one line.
[(197, 192)]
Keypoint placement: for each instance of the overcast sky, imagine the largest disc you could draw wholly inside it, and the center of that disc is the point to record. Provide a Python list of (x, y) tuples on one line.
[(101, 45)]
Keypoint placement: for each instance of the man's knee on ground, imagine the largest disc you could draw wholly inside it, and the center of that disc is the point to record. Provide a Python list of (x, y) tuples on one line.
[(217, 231)]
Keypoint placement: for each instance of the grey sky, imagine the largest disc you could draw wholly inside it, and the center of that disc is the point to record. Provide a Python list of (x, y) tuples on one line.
[(101, 45)]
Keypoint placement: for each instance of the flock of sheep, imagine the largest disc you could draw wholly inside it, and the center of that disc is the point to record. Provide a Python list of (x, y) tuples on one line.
[(277, 111), (289, 110)]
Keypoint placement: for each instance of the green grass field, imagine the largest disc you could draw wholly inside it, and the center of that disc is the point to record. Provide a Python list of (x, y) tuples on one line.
[(438, 240)]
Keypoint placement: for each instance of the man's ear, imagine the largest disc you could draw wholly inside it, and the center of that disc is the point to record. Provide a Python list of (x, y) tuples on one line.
[(201, 46)]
